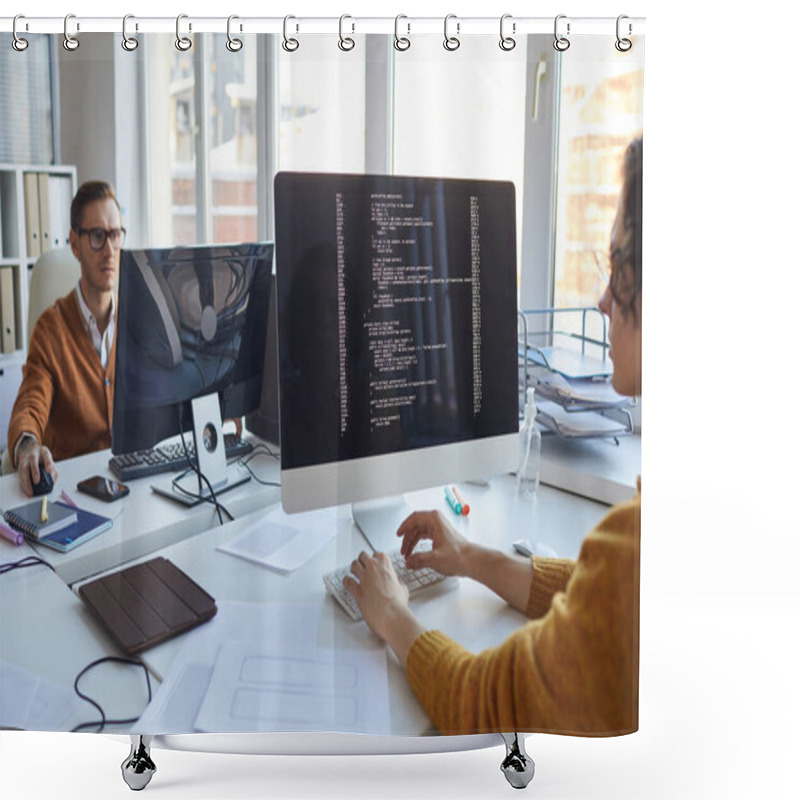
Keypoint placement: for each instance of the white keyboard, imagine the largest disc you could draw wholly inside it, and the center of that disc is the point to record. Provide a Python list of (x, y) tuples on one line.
[(414, 579)]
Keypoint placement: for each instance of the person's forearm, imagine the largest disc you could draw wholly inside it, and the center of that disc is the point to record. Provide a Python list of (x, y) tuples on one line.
[(505, 575), (400, 633)]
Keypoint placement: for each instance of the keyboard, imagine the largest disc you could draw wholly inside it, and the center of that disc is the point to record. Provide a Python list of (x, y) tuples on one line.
[(168, 458), (414, 579)]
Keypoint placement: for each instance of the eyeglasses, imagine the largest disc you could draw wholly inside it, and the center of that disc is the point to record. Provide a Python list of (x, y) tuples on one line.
[(99, 236)]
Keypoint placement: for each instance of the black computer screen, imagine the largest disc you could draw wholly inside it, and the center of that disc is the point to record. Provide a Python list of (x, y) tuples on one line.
[(396, 313), (191, 321)]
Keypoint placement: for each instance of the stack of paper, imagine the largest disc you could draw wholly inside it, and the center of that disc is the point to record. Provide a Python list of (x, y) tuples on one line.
[(579, 423), (578, 394)]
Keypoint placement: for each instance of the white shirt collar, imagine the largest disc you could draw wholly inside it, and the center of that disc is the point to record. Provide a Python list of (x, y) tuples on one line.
[(102, 344)]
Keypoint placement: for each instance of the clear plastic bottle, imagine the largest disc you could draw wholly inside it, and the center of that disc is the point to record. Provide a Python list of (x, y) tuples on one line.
[(530, 451)]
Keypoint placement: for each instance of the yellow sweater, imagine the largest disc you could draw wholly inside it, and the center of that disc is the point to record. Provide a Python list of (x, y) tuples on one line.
[(574, 669)]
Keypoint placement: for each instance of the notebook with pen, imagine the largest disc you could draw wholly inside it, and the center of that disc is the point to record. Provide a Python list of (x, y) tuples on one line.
[(28, 518), (81, 526)]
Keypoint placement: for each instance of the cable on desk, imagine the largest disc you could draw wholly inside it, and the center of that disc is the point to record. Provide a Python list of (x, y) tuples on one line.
[(176, 487), (28, 561), (102, 722), (196, 467), (259, 450)]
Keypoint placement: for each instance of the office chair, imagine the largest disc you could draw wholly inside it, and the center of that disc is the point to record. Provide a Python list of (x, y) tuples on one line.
[(54, 274)]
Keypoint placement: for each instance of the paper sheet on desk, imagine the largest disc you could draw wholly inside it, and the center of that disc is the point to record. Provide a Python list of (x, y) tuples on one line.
[(282, 542), (258, 687), (33, 703), (175, 705)]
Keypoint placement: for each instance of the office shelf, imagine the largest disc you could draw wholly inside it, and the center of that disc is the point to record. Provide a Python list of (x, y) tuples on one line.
[(563, 354)]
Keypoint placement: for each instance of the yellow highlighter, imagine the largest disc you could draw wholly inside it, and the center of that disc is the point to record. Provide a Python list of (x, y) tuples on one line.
[(44, 509)]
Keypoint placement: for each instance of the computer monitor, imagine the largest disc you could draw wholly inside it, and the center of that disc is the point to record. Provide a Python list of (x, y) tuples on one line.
[(191, 324), (397, 335)]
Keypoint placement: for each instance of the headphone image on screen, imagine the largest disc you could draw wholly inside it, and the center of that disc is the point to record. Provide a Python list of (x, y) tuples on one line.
[(191, 308)]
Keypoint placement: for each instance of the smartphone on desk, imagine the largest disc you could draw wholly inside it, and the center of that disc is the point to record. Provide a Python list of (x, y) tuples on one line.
[(103, 488)]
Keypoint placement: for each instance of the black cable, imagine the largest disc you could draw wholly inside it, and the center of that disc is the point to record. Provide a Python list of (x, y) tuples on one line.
[(196, 468), (102, 722), (176, 487), (28, 561)]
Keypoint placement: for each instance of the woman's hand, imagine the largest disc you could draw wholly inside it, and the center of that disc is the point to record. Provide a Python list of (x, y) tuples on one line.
[(450, 552), (383, 601), (377, 590)]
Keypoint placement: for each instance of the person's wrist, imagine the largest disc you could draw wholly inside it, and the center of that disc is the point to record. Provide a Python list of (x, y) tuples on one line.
[(469, 559), (400, 630), (24, 443)]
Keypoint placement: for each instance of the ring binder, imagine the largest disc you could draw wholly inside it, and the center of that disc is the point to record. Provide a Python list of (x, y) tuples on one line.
[(183, 43), (561, 43), (623, 45), (507, 43), (451, 43), (19, 44), (70, 43), (289, 44), (345, 42), (234, 45), (401, 43), (129, 43)]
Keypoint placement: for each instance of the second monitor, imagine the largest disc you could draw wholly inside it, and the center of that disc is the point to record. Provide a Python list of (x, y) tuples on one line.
[(396, 334)]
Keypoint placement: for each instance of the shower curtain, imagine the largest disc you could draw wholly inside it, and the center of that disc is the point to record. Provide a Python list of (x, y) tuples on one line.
[(191, 127)]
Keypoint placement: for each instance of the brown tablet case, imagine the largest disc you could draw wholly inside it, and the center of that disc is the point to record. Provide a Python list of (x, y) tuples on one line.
[(146, 604)]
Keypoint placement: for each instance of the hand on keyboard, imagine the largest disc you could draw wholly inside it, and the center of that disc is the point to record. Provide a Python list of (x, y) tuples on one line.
[(414, 580)]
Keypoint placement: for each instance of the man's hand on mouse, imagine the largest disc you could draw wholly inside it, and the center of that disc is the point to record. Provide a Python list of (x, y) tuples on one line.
[(29, 458)]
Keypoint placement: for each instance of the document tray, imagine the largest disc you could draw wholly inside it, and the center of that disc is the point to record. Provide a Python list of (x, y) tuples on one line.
[(146, 604)]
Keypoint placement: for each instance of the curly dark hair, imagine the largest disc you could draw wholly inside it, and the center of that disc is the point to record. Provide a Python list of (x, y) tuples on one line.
[(87, 193), (626, 256)]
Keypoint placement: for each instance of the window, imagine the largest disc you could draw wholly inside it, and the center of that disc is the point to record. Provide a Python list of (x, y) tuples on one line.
[(322, 107), (26, 128), (600, 113), (203, 142)]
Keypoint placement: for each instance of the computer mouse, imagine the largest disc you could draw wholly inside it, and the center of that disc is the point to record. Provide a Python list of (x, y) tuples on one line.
[(45, 485)]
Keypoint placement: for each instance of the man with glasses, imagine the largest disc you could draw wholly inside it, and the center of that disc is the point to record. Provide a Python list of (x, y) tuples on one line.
[(65, 403)]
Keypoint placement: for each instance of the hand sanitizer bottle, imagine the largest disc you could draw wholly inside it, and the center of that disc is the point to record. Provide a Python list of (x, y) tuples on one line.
[(530, 451)]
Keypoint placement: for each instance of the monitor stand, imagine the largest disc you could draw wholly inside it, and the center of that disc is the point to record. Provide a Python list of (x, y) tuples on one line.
[(378, 521), (209, 448)]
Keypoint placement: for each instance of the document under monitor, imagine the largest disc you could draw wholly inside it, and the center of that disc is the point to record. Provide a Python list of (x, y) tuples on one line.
[(191, 335), (396, 339)]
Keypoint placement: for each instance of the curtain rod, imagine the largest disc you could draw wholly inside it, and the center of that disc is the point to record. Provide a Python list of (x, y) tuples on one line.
[(73, 25)]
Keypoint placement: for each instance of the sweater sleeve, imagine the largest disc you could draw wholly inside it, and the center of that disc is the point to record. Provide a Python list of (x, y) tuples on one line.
[(35, 396), (575, 670), (550, 575)]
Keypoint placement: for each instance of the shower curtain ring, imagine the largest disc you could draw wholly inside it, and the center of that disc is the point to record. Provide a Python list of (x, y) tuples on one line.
[(129, 43), (289, 44), (345, 42), (507, 42), (233, 44), (623, 45), (401, 42), (561, 43), (19, 44), (183, 43), (451, 42), (70, 42)]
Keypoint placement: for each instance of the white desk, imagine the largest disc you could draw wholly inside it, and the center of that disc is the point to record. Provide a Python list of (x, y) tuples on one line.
[(143, 521), (46, 629), (467, 611)]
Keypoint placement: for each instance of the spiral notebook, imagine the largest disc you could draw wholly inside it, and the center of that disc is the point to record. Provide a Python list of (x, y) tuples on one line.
[(75, 527), (28, 518)]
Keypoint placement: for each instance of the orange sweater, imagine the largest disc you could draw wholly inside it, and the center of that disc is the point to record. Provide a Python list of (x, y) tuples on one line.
[(66, 397), (574, 669)]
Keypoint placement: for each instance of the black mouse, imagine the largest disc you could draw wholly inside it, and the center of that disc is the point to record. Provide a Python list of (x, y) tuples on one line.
[(45, 485)]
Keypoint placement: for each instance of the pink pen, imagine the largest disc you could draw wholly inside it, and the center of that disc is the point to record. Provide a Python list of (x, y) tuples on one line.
[(67, 499), (10, 535)]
